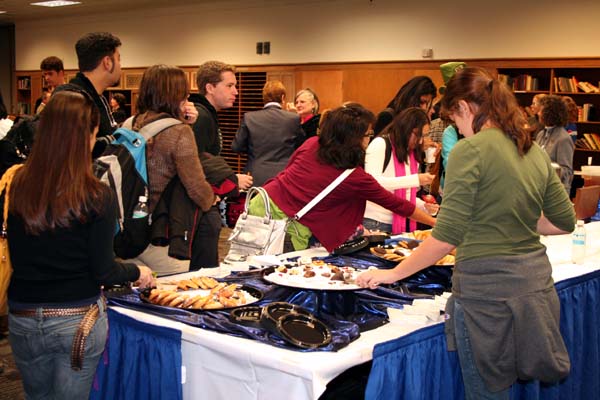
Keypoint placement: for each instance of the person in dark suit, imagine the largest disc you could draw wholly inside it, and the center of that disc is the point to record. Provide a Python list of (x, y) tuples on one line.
[(269, 136)]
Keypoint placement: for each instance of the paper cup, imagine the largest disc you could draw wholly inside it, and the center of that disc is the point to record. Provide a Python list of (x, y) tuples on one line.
[(430, 155)]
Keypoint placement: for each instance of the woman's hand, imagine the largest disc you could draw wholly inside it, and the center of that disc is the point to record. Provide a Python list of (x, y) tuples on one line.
[(374, 277), (432, 209), (146, 278), (425, 179)]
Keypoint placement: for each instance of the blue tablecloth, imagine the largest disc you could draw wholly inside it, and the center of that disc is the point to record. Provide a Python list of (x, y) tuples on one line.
[(418, 366)]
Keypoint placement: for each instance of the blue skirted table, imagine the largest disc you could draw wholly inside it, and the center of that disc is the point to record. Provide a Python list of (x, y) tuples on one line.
[(419, 367), (158, 358)]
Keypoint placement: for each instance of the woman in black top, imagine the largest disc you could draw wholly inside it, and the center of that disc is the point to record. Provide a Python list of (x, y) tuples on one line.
[(417, 92), (60, 227)]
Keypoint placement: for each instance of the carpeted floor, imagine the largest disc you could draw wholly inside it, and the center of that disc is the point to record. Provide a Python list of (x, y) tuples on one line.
[(11, 387)]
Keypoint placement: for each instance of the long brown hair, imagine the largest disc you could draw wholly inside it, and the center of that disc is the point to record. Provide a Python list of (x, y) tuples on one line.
[(162, 89), (56, 186), (401, 128), (493, 101)]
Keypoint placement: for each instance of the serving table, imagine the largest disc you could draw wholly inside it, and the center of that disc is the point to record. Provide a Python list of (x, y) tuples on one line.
[(410, 360)]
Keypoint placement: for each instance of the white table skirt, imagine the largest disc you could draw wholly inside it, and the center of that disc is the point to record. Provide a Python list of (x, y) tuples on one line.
[(220, 366)]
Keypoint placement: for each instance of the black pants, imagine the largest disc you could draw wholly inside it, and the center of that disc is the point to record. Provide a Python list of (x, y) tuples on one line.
[(205, 248)]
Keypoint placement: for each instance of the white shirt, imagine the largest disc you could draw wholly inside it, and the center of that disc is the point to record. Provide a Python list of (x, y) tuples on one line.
[(5, 125), (388, 179)]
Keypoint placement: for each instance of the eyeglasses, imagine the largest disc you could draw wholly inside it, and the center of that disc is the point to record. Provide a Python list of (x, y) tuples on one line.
[(370, 133)]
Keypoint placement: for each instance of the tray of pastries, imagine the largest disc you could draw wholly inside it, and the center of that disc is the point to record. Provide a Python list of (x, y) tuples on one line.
[(201, 294)]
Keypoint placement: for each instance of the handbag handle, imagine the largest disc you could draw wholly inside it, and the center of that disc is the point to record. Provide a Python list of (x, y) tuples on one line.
[(323, 193), (265, 197), (5, 184)]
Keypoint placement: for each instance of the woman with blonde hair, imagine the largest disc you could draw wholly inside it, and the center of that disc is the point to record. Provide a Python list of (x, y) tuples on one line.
[(61, 224), (306, 104), (501, 195)]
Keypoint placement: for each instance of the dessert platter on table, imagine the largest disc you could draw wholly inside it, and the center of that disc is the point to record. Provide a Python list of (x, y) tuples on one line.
[(314, 274), (400, 247)]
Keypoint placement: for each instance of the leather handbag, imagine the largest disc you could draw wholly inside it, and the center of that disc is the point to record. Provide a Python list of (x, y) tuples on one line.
[(255, 235), (5, 264)]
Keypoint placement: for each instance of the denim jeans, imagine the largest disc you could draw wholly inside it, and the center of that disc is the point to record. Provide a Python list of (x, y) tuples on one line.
[(475, 388), (374, 225), (42, 351)]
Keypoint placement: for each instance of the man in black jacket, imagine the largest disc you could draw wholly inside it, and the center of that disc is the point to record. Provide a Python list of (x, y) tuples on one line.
[(99, 68), (217, 91)]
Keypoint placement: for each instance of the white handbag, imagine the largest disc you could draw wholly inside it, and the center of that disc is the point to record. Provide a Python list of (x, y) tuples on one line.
[(253, 235)]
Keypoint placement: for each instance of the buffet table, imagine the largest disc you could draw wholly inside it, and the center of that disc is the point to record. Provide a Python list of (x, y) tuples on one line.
[(409, 359)]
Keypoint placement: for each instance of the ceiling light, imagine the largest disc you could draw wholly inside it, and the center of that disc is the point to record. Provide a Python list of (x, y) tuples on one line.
[(2, 12), (55, 3)]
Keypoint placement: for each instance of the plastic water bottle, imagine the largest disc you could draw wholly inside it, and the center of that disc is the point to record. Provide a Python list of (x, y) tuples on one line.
[(141, 209), (578, 249)]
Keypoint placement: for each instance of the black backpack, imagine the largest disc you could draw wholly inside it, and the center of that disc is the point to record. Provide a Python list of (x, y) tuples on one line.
[(122, 166)]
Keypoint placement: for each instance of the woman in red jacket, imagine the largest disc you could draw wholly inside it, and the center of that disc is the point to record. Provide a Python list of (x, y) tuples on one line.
[(342, 144)]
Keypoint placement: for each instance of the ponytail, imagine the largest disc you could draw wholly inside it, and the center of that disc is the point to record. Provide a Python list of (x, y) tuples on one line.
[(495, 103)]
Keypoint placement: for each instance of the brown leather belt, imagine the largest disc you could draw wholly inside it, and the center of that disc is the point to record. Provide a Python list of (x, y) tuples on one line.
[(90, 315), (52, 312)]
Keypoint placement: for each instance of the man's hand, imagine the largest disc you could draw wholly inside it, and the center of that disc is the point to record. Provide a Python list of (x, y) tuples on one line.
[(244, 181), (189, 112)]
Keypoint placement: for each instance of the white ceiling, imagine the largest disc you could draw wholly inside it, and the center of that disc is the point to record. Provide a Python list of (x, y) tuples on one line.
[(21, 10)]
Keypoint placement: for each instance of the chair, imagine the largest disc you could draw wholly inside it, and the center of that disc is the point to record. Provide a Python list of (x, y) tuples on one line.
[(586, 201)]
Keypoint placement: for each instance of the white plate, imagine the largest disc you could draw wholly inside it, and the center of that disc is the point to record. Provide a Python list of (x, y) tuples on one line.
[(318, 282)]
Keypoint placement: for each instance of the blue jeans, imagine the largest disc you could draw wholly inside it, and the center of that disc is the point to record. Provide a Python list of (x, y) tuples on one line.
[(475, 388), (42, 351), (374, 225)]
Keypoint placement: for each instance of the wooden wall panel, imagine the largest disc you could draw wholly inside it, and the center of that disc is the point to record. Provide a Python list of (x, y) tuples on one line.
[(327, 84), (289, 81)]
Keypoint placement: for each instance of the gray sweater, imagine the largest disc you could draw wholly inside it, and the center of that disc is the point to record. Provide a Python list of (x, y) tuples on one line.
[(512, 314)]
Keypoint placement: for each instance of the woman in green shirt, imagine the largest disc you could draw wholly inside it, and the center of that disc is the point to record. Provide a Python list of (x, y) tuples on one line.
[(501, 193)]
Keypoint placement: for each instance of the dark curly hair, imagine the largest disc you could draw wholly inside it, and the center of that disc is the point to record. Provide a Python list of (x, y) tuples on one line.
[(342, 134), (554, 111), (93, 47)]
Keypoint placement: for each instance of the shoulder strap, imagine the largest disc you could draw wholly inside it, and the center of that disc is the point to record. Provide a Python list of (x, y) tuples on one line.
[(388, 152), (323, 193), (153, 128), (5, 183)]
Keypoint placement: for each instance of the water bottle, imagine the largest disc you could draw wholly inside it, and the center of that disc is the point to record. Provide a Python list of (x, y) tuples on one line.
[(141, 209), (578, 249)]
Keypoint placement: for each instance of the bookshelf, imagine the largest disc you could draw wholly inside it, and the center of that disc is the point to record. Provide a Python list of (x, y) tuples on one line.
[(28, 88), (563, 81)]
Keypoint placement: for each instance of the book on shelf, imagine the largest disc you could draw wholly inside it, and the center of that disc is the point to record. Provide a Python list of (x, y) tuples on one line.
[(564, 84), (590, 141), (23, 83), (588, 87), (520, 83), (588, 112), (24, 108), (596, 139), (581, 143)]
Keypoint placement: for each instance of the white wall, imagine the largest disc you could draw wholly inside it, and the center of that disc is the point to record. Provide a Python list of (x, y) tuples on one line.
[(327, 31)]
